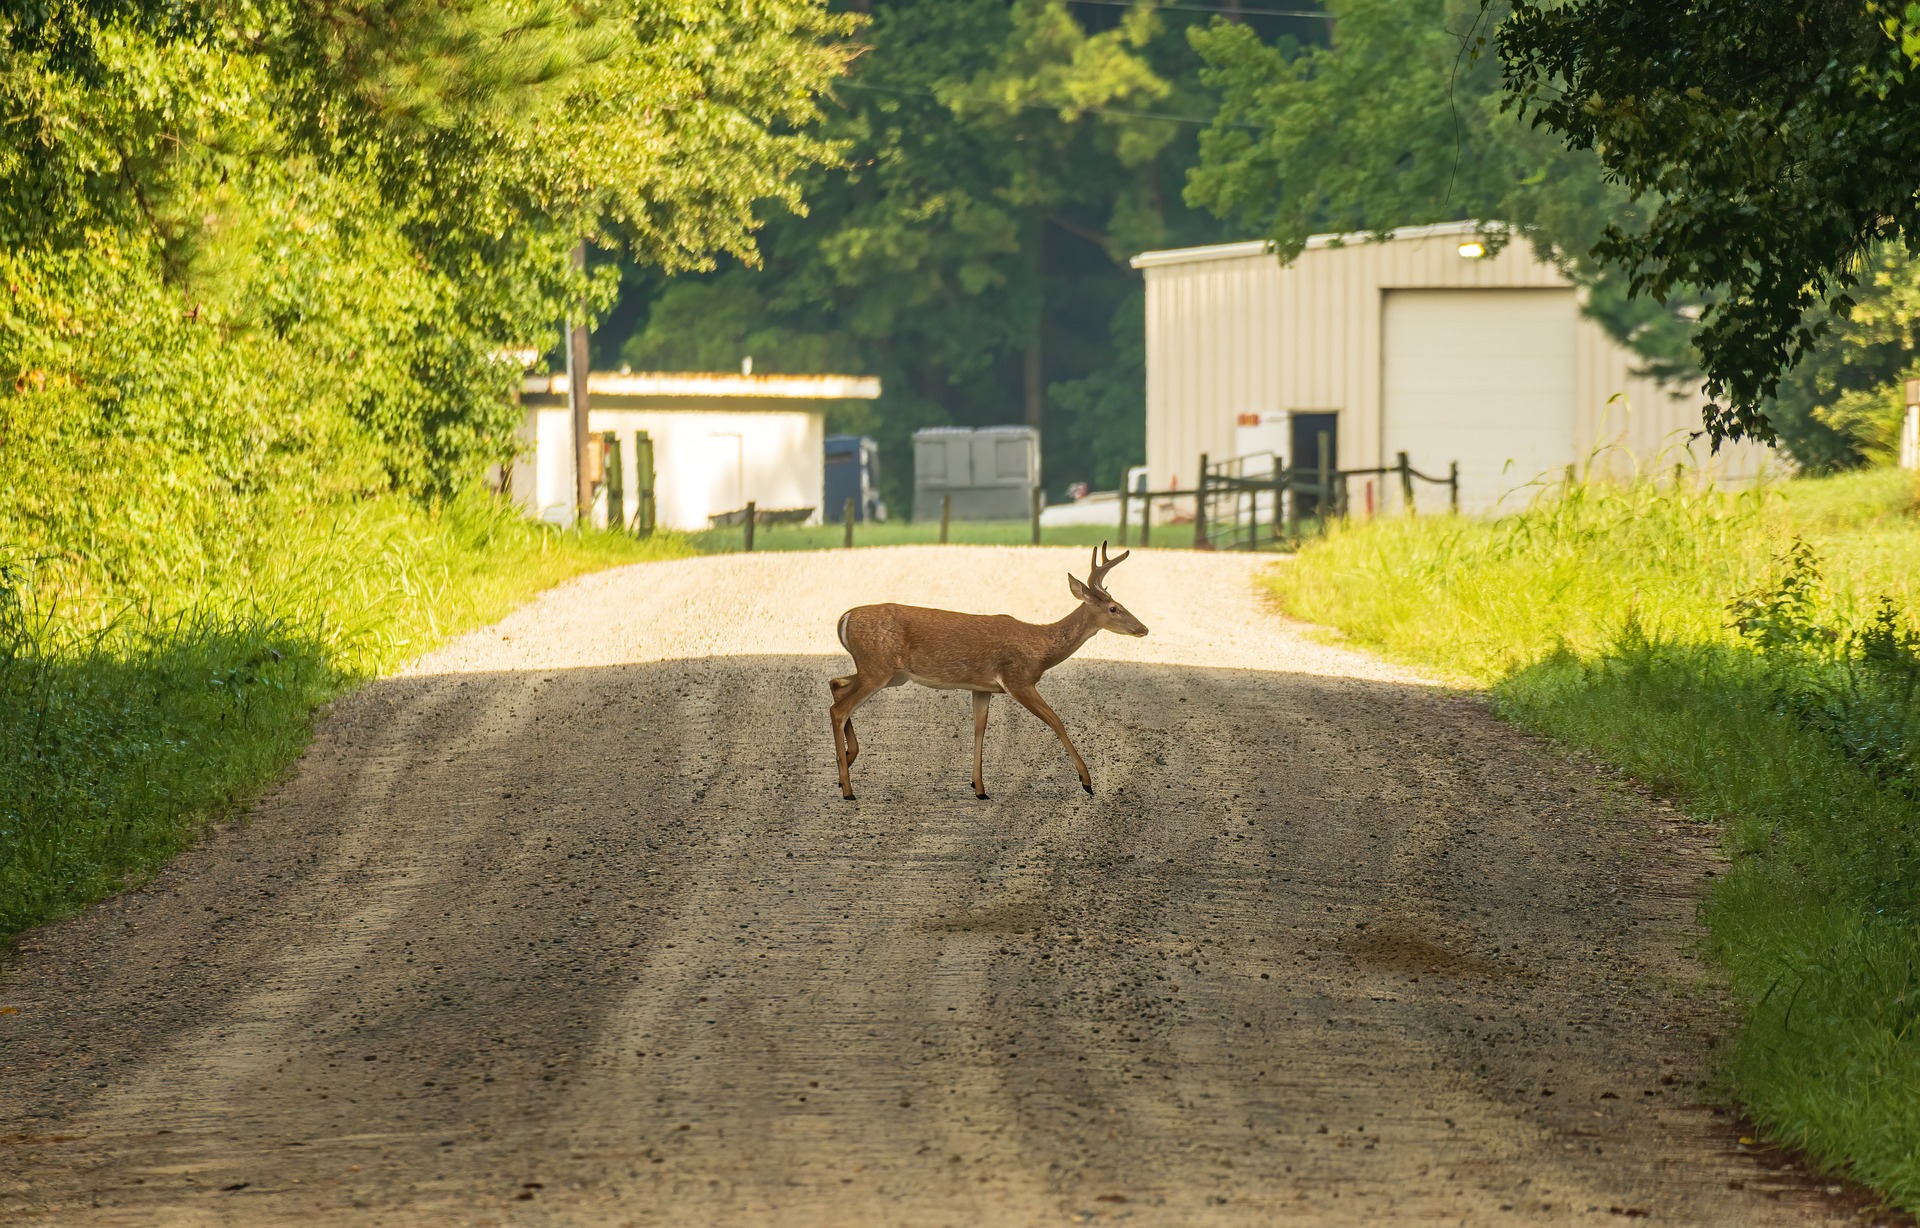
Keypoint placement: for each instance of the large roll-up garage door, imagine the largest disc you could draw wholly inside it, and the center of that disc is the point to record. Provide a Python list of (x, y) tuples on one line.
[(1484, 377)]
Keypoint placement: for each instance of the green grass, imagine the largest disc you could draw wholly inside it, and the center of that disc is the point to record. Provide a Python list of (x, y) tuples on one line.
[(919, 533), (1676, 636), (126, 726)]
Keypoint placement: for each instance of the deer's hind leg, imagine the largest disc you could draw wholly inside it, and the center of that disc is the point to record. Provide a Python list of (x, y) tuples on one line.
[(855, 691), (838, 685)]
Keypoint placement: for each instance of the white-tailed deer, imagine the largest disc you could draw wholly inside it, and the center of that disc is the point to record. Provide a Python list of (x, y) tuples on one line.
[(988, 654)]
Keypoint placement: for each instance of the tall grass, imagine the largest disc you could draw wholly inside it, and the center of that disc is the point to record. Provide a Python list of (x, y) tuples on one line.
[(1752, 655), (133, 714)]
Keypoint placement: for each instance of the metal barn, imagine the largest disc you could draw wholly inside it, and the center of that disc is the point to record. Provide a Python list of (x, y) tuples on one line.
[(1422, 343)]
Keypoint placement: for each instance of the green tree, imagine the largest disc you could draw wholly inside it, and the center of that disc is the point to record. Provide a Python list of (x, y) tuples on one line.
[(273, 251), (1841, 406), (1005, 161), (1772, 143)]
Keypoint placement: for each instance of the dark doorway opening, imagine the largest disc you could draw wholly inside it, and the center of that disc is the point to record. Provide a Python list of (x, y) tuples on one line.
[(1303, 439)]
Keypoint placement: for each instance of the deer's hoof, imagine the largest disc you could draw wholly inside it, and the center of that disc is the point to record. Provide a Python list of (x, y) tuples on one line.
[(1088, 787), (846, 797), (981, 796)]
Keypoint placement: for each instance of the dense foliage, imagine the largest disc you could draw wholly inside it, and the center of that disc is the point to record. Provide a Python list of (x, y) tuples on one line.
[(1774, 143), (1005, 162), (1841, 405), (276, 250)]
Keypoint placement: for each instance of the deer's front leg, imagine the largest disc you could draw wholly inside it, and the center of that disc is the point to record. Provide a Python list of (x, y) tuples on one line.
[(1030, 699), (981, 700)]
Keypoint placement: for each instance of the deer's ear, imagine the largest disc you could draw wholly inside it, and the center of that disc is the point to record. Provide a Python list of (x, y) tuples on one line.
[(1079, 590)]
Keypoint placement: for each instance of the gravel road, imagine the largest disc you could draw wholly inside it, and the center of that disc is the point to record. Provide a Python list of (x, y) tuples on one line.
[(568, 924)]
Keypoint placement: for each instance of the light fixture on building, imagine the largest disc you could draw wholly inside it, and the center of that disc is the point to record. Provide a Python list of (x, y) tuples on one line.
[(1473, 249)]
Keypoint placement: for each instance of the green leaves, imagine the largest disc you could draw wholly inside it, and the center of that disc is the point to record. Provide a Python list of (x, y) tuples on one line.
[(1392, 124), (1003, 163), (1774, 142), (276, 247)]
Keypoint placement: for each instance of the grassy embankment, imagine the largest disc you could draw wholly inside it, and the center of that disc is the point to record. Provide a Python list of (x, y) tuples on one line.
[(132, 717), (1752, 656)]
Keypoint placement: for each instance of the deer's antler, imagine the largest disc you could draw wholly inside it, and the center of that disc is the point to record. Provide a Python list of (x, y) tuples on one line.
[(1101, 565)]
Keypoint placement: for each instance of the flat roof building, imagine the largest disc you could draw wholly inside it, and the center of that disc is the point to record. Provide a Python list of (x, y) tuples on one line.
[(718, 441)]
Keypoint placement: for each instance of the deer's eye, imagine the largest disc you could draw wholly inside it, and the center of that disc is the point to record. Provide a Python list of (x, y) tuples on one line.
[(1113, 609)]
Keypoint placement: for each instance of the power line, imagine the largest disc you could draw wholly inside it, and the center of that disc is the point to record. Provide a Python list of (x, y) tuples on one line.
[(1212, 8), (1057, 107)]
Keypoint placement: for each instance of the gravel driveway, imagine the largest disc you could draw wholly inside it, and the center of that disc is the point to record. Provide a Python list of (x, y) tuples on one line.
[(569, 925)]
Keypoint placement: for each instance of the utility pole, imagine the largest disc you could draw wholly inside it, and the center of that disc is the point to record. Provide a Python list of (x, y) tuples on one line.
[(1032, 371), (579, 369)]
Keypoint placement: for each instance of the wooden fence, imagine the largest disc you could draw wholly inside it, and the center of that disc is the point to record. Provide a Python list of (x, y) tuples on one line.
[(1227, 502)]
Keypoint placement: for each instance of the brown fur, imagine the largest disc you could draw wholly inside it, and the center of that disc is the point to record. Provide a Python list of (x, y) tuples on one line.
[(988, 654)]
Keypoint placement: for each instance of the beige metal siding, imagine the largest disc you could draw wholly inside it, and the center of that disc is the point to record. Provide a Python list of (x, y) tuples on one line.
[(1633, 425), (1230, 330)]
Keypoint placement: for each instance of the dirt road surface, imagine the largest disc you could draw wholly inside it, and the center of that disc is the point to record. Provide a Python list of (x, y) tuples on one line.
[(569, 925)]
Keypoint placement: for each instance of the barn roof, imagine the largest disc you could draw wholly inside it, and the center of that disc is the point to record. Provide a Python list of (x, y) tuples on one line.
[(1259, 247)]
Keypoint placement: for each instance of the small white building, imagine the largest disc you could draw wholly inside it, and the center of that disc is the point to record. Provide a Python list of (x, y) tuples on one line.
[(1423, 343), (719, 441)]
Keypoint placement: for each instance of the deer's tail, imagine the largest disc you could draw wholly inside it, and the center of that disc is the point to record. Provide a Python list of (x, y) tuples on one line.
[(840, 628)]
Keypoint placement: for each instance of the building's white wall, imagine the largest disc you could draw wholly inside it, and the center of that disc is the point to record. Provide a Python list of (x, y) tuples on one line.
[(1240, 333), (543, 476), (705, 461)]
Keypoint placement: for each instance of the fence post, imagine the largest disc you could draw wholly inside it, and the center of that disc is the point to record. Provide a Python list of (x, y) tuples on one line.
[(1146, 517), (643, 480), (1323, 503), (1453, 487), (1253, 519), (752, 515), (1200, 507), (1039, 501), (1406, 484), (946, 515), (847, 516), (1279, 494), (1123, 509)]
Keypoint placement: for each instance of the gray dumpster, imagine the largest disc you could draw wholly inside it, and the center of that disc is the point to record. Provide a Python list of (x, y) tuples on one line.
[(990, 471)]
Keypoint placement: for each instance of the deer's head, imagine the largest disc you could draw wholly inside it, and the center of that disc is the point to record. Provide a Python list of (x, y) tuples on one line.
[(1108, 614)]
